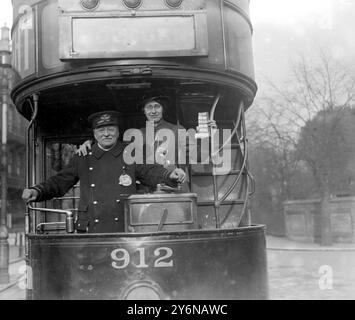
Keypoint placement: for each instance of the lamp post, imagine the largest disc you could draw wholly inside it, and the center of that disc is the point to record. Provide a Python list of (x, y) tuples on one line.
[(5, 64)]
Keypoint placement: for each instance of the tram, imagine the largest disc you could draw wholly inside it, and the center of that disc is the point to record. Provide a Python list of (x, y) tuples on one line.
[(77, 57)]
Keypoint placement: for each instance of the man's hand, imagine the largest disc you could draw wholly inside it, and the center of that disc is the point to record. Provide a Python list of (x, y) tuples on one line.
[(178, 175), (29, 195), (84, 148)]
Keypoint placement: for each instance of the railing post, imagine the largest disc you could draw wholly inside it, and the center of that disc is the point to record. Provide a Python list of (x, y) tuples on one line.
[(20, 246), (4, 235)]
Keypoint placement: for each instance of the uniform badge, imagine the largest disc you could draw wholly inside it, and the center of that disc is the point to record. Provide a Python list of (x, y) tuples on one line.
[(125, 180)]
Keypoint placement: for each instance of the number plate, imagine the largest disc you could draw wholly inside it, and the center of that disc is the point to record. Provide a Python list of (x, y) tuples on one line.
[(163, 257)]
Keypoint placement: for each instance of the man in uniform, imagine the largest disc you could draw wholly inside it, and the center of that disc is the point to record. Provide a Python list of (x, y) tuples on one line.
[(105, 179)]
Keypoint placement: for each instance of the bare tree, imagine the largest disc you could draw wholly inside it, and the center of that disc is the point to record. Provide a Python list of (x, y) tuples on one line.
[(306, 118)]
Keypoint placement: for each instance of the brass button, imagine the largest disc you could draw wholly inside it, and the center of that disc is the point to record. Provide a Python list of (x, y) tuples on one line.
[(90, 153), (95, 202), (93, 185), (91, 168), (96, 220), (116, 219), (118, 200)]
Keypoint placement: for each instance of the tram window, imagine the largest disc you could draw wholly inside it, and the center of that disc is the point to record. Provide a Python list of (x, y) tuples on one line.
[(23, 37), (50, 53), (238, 35), (58, 155)]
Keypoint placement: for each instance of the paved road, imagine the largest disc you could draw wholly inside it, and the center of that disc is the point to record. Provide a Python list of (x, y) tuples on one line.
[(311, 275), (14, 290)]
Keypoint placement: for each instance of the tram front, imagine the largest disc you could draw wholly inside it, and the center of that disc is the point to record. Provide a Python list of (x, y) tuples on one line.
[(75, 58)]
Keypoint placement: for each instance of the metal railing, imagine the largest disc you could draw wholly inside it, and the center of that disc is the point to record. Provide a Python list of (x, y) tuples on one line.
[(247, 180), (69, 218)]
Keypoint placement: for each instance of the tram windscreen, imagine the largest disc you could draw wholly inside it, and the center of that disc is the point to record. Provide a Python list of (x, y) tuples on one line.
[(58, 155), (109, 35)]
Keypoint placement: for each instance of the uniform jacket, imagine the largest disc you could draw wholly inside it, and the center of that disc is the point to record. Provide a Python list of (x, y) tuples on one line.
[(103, 186)]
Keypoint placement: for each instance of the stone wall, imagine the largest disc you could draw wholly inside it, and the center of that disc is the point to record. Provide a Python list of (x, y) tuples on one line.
[(303, 220)]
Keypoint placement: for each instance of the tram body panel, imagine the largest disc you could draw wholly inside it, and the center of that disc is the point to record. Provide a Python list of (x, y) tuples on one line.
[(221, 44), (72, 62), (202, 265)]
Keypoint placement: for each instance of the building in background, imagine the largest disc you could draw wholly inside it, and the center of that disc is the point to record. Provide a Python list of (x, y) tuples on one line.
[(16, 133)]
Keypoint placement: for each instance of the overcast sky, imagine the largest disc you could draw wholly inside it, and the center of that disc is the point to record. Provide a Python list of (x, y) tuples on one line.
[(288, 12), (5, 13)]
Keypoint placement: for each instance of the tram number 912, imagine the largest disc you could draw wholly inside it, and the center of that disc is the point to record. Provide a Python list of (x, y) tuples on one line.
[(162, 258)]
